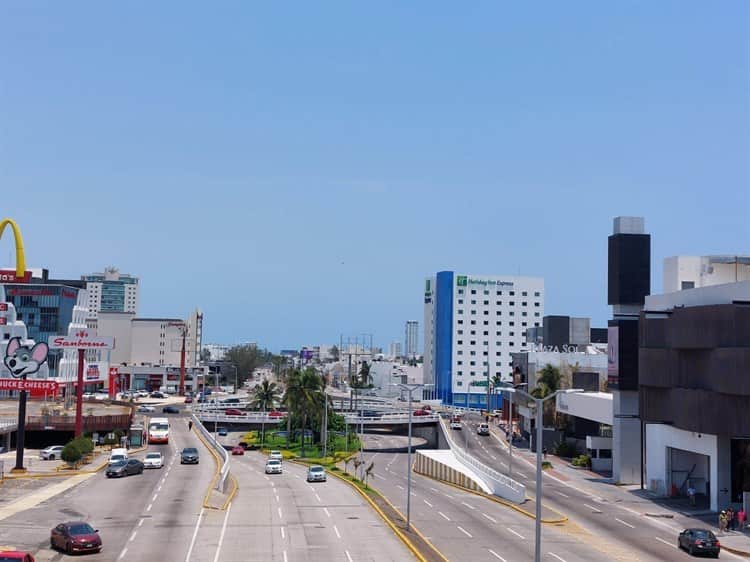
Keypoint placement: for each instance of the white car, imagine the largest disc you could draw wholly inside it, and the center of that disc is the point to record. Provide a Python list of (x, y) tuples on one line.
[(51, 453), (316, 473), (276, 455), (88, 395), (153, 460), (101, 396), (273, 466), (146, 409)]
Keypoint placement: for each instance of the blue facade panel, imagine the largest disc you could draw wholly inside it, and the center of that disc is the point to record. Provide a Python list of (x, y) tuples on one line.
[(444, 336)]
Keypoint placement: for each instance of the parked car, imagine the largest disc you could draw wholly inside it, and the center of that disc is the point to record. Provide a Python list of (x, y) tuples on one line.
[(188, 399), (146, 409), (273, 466), (16, 556), (421, 412), (51, 453), (158, 394), (276, 455), (101, 395), (141, 393), (124, 468), (189, 455), (233, 412), (153, 460), (230, 401), (170, 410), (699, 540), (276, 414), (238, 450), (222, 431), (75, 536), (316, 473), (483, 429), (88, 395)]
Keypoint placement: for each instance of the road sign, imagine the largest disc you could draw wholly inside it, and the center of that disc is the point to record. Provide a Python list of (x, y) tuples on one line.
[(29, 384), (82, 339), (478, 383)]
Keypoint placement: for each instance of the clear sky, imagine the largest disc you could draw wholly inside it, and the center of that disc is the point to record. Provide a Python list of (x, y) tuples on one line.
[(297, 169)]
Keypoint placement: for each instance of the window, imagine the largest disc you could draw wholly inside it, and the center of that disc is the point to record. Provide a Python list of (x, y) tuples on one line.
[(685, 285), (498, 343), (460, 291), (472, 353), (536, 304), (536, 324), (510, 343), (486, 312), (460, 321), (473, 373), (499, 365), (473, 342), (473, 312), (461, 383), (460, 301), (485, 353), (524, 323), (486, 323), (472, 363), (511, 323), (473, 292), (460, 332), (524, 303), (460, 352), (498, 333), (511, 334), (536, 294), (473, 322), (473, 332), (536, 314), (460, 342), (460, 311), (498, 323), (512, 303), (499, 293), (512, 293), (523, 294), (459, 362), (605, 453), (524, 313), (486, 292), (498, 353), (486, 302), (512, 313), (485, 333), (498, 303), (473, 302)]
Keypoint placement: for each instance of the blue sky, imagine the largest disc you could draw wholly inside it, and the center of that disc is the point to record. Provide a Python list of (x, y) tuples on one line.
[(296, 170)]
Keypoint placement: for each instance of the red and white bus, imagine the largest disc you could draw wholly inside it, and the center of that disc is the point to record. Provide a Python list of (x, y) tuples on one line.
[(158, 430)]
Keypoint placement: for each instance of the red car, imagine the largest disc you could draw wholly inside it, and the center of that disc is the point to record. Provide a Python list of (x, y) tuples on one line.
[(421, 413), (15, 556), (233, 412), (188, 399), (75, 536), (276, 414), (236, 450)]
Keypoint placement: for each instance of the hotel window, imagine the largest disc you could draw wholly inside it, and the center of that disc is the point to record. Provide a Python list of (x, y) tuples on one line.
[(472, 363), (536, 314), (524, 313), (460, 373), (460, 342), (512, 303), (472, 353), (473, 292), (510, 343), (523, 294), (460, 311), (473, 373), (498, 365), (461, 383), (473, 302), (460, 332), (536, 324), (484, 353), (498, 303), (511, 334), (473, 322), (460, 291), (473, 312), (486, 292), (498, 323), (512, 293), (485, 333), (460, 301), (524, 303), (523, 323), (486, 323), (498, 353), (486, 312), (459, 352), (460, 362), (486, 302), (536, 294), (511, 323), (473, 332), (498, 334), (512, 313), (460, 321), (498, 343), (473, 342), (536, 304)]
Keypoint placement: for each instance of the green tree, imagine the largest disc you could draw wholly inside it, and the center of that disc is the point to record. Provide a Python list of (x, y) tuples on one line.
[(265, 396), (71, 454), (304, 398), (205, 355), (334, 353), (548, 382), (247, 358)]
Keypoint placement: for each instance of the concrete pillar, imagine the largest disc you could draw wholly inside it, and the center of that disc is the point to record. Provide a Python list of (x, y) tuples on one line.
[(626, 438)]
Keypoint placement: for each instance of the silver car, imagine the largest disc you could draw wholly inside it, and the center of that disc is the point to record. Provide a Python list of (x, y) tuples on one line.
[(316, 473), (273, 466), (51, 453)]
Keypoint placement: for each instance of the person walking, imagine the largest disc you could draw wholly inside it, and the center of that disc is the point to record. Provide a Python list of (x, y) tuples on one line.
[(730, 519), (190, 425), (722, 522), (741, 518), (691, 494)]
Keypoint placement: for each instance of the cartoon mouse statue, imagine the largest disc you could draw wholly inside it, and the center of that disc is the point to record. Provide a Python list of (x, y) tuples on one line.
[(22, 360)]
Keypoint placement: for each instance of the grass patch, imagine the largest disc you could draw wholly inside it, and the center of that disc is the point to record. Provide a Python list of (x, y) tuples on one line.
[(313, 452)]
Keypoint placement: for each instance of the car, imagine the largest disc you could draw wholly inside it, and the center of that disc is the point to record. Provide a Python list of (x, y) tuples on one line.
[(153, 460), (75, 536), (188, 399), (273, 466), (233, 412), (141, 393), (483, 429), (117, 455), (427, 407), (238, 450), (230, 401), (189, 455), (223, 431), (276, 414), (421, 412), (124, 467), (16, 556), (456, 422), (157, 394), (101, 395), (316, 473), (88, 395), (146, 409), (276, 455), (170, 410), (51, 453), (699, 540)]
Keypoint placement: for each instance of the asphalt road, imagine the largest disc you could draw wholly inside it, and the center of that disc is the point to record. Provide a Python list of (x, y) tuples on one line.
[(610, 525), (464, 526), (146, 517)]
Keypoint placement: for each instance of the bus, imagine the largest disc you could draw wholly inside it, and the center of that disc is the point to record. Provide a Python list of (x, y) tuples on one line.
[(158, 430)]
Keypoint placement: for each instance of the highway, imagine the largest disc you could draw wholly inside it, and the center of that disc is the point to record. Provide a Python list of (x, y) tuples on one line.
[(608, 523), (146, 517)]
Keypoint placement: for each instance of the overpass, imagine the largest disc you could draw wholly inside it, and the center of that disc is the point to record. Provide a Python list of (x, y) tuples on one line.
[(7, 428), (257, 419)]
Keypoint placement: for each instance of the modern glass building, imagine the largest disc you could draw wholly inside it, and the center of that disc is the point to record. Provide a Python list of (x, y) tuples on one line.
[(111, 291)]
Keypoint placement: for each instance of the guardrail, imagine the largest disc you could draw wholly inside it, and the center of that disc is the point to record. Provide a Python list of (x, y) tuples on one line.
[(501, 484), (391, 418), (221, 482), (250, 417)]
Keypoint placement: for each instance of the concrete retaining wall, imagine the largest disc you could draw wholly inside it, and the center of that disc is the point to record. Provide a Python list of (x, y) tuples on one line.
[(440, 470)]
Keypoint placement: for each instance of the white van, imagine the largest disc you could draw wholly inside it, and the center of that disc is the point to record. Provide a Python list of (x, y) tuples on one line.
[(118, 455)]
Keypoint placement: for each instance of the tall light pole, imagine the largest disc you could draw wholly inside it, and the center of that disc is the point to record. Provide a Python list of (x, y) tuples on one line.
[(539, 402)]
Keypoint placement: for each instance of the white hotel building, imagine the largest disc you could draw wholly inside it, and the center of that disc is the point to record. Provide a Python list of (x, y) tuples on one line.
[(472, 324)]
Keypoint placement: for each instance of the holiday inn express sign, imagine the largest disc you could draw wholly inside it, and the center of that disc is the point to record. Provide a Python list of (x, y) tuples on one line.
[(465, 280)]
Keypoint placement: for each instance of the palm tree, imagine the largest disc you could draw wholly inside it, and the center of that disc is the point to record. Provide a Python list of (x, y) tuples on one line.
[(265, 397), (548, 382), (304, 398)]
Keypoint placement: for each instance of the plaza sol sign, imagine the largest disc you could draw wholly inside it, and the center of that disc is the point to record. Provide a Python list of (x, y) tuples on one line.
[(81, 339)]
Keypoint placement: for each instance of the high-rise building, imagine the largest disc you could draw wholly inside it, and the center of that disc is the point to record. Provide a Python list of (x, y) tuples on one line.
[(111, 291), (394, 350), (411, 344), (472, 325)]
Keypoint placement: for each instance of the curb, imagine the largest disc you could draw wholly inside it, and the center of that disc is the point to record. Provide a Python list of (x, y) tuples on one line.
[(67, 473), (742, 553), (210, 490), (413, 549)]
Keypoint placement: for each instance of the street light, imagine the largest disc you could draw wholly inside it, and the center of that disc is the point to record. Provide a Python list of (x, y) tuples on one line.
[(539, 406), (510, 422)]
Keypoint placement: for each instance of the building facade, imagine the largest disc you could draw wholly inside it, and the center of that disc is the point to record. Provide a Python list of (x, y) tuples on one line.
[(475, 323), (411, 339), (692, 272), (111, 291)]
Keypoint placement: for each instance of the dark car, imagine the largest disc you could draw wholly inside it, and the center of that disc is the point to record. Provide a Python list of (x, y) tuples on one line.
[(125, 467), (16, 556), (75, 536), (222, 431), (699, 541), (170, 410), (188, 399), (157, 394), (189, 455), (276, 414)]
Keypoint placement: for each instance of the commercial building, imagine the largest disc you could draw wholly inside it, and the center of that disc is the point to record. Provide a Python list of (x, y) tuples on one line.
[(411, 340), (111, 291), (386, 375), (692, 272), (694, 391), (394, 350), (472, 326)]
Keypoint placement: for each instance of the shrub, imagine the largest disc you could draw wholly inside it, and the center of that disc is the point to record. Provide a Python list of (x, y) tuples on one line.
[(71, 454), (546, 465), (565, 449), (83, 444), (582, 460)]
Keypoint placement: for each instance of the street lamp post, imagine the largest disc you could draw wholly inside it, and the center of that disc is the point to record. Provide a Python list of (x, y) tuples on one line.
[(539, 403)]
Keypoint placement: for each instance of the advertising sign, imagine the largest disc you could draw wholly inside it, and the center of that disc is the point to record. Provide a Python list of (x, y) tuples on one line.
[(3, 321), (29, 384), (613, 356), (3, 307), (9, 276), (92, 372), (82, 339)]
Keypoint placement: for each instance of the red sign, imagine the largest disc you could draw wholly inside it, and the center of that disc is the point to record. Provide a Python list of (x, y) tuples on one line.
[(82, 339), (3, 307), (92, 372), (113, 372), (38, 385), (3, 321), (9, 276), (31, 292)]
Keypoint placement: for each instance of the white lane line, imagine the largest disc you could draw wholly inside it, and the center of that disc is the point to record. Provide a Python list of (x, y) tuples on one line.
[(122, 554), (328, 513), (195, 534), (348, 556), (221, 536), (489, 517), (413, 494), (282, 533), (317, 497), (335, 528), (149, 507), (277, 499), (154, 498), (556, 556), (159, 489), (444, 516), (563, 495), (140, 522), (399, 486), (465, 532), (285, 558), (279, 513), (625, 523), (592, 508), (519, 535), (496, 555), (469, 506), (665, 542), (435, 490), (132, 537), (428, 503)]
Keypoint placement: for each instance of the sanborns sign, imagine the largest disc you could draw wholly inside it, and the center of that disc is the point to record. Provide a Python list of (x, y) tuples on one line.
[(29, 384), (82, 339)]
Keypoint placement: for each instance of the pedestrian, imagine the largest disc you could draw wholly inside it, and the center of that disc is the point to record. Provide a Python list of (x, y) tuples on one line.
[(190, 425), (722, 522), (741, 518), (691, 494), (544, 452), (730, 519)]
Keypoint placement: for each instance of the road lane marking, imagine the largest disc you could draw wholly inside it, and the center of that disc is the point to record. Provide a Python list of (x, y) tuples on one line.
[(412, 493), (435, 490), (444, 516), (625, 523), (563, 495), (465, 532), (149, 507), (489, 517), (221, 536), (285, 558), (469, 506), (122, 554), (428, 503), (279, 513), (195, 534), (594, 509), (665, 542), (328, 513), (348, 556), (140, 522), (496, 555), (519, 535), (399, 486), (556, 556), (335, 528), (282, 533), (154, 498), (317, 497), (159, 489), (132, 537)]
